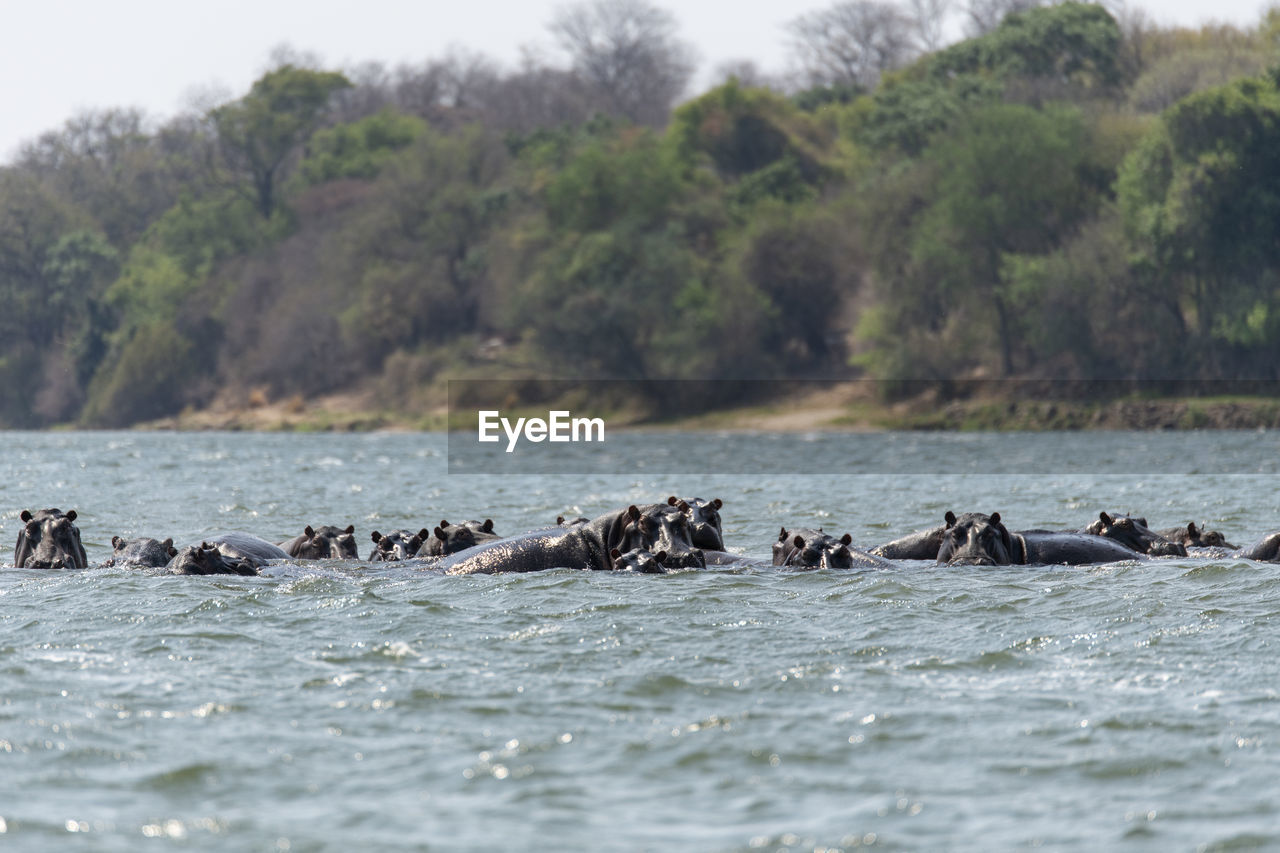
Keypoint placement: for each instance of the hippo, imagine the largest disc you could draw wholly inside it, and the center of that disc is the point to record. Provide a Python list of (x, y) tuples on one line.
[(584, 546), (143, 551), (451, 538), (226, 554), (704, 521), (206, 559), (1133, 533), (987, 542), (1266, 549), (814, 549), (50, 540), (561, 521), (398, 545), (639, 560), (1191, 536), (923, 544), (323, 543)]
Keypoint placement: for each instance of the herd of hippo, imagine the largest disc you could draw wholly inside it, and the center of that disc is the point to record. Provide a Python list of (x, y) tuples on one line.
[(678, 534)]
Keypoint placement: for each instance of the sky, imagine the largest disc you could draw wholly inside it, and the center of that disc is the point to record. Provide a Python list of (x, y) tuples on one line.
[(59, 58)]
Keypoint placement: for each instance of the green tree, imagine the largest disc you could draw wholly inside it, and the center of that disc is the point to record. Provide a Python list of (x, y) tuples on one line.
[(1202, 201), (358, 149), (259, 132)]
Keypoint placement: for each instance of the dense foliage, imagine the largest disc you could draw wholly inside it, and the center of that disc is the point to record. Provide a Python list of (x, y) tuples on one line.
[(1055, 198)]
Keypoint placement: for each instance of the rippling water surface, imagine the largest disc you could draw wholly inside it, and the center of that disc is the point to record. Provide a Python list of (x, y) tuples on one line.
[(1132, 706)]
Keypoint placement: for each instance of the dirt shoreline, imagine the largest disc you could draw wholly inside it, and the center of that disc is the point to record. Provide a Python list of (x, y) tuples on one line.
[(834, 409)]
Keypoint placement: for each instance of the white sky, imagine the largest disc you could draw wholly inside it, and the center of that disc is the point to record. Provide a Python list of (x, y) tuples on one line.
[(60, 57)]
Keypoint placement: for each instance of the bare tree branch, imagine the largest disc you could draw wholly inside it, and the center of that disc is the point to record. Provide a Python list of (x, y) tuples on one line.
[(628, 53)]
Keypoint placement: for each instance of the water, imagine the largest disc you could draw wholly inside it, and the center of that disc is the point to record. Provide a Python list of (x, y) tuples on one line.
[(344, 707)]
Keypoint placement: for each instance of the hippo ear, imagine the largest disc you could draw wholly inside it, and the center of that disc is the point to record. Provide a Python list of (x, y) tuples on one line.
[(782, 535), (377, 537), (995, 518), (26, 515), (683, 506), (559, 519), (615, 553), (423, 534), (717, 503), (846, 539), (1191, 528), (1105, 519), (487, 527), (71, 516), (443, 523), (168, 547), (798, 542), (309, 532), (671, 501), (115, 541), (438, 533), (168, 543), (633, 512), (661, 556), (351, 528), (950, 519)]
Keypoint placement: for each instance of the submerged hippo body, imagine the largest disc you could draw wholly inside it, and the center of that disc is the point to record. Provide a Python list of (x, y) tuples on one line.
[(978, 541), (814, 549), (226, 554), (323, 543), (451, 538), (583, 546), (143, 551), (1266, 549), (49, 540), (1190, 536), (1133, 533), (397, 545)]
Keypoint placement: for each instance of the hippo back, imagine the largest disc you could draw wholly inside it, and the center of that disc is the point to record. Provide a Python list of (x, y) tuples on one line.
[(1266, 549)]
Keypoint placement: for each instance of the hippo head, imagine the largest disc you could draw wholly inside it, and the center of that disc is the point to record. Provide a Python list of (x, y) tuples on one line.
[(206, 559), (449, 539), (481, 531), (975, 540), (328, 543), (143, 551), (1133, 533), (400, 545), (704, 521), (639, 560), (50, 540), (1205, 538), (820, 551), (660, 528)]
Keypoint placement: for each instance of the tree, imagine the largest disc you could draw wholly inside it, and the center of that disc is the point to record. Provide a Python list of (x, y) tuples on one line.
[(258, 133), (986, 15), (852, 43), (928, 19), (1201, 200), (1077, 43), (628, 53)]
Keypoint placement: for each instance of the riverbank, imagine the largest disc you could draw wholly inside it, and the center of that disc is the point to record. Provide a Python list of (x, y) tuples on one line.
[(845, 406)]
